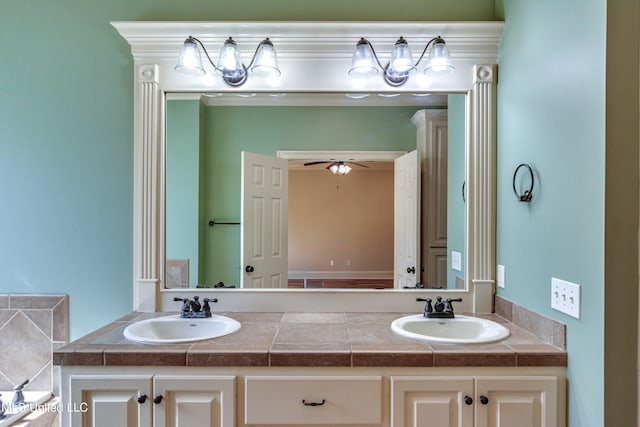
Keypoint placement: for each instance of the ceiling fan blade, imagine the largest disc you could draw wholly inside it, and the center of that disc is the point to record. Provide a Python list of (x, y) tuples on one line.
[(358, 164), (315, 163)]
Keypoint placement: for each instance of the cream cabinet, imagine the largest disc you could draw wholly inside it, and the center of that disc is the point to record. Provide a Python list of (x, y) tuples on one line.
[(151, 400), (500, 401), (313, 400), (131, 396)]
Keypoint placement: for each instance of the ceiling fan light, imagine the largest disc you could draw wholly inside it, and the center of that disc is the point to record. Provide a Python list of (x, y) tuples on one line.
[(340, 168)]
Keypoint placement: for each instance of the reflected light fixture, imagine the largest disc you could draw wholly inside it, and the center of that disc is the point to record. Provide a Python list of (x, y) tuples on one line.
[(339, 168), (230, 66), (365, 62)]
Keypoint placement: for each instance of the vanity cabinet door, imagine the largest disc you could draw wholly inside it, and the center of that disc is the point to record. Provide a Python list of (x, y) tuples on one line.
[(107, 401), (188, 401), (517, 401), (432, 401)]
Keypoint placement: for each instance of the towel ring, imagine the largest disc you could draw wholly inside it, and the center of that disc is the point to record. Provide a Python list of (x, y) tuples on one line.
[(528, 194)]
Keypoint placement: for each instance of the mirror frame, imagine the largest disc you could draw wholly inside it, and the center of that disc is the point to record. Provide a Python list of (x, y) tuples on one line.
[(313, 57)]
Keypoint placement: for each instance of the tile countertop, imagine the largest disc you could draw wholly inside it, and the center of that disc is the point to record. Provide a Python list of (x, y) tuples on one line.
[(308, 339)]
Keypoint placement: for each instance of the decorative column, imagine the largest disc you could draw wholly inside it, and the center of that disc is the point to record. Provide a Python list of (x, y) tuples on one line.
[(148, 189), (481, 188)]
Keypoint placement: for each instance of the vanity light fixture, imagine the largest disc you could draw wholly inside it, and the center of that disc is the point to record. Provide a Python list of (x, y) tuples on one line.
[(230, 66), (365, 62)]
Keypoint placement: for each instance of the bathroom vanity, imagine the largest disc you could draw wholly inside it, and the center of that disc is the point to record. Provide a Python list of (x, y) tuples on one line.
[(305, 357), (313, 369)]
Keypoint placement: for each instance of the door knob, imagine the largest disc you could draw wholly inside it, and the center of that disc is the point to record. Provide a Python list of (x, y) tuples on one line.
[(249, 269), (411, 270)]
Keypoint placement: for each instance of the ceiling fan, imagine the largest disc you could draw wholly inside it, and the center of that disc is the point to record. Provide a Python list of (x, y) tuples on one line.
[(338, 168)]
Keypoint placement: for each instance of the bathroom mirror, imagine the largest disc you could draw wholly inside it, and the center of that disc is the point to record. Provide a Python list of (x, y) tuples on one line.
[(314, 58), (340, 227)]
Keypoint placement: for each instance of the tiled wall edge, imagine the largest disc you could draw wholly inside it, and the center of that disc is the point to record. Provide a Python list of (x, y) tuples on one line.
[(543, 327)]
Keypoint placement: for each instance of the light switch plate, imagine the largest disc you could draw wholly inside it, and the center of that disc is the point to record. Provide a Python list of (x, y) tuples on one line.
[(565, 297), (456, 261), (500, 276)]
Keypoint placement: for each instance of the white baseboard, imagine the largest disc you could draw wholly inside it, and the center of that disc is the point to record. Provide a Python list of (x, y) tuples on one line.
[(333, 274)]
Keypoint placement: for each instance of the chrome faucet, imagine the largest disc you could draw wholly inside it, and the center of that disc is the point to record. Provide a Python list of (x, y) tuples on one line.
[(192, 309), (18, 396), (440, 309)]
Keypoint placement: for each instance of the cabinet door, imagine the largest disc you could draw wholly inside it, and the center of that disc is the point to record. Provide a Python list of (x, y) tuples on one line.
[(187, 401), (107, 401), (517, 401), (432, 401)]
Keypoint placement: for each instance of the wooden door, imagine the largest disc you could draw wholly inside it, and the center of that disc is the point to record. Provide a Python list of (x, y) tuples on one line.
[(264, 221), (406, 266)]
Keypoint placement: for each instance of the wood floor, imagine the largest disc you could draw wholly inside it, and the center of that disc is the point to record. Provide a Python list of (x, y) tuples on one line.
[(342, 283)]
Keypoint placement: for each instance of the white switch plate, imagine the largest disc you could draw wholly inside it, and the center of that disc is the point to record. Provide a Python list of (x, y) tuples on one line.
[(565, 297), (456, 261), (500, 276)]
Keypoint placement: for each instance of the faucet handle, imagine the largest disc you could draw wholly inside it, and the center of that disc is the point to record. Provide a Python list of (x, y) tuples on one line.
[(448, 308), (428, 308), (205, 306)]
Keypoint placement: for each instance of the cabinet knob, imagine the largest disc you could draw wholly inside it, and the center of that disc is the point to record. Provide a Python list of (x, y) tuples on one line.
[(142, 398), (411, 270), (157, 399), (468, 400), (249, 269), (484, 400)]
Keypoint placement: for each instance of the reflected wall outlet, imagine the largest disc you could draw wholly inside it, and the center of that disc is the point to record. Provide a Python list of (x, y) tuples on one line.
[(565, 297), (500, 276), (331, 262), (456, 261)]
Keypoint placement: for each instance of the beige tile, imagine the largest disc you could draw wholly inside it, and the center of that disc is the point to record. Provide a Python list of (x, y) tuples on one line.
[(373, 333), (313, 318), (25, 349), (503, 307), (4, 301), (166, 356), (255, 317), (370, 318), (42, 319), (35, 301), (60, 320), (312, 333)]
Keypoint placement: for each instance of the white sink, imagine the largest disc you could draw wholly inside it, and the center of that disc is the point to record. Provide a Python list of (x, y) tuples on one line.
[(460, 329), (174, 329)]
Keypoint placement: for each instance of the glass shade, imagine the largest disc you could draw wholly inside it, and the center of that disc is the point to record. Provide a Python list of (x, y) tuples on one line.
[(401, 62), (363, 63), (265, 61), (340, 168), (439, 60), (189, 59), (229, 62)]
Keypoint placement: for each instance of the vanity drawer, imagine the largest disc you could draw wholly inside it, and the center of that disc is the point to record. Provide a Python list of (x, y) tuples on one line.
[(283, 400)]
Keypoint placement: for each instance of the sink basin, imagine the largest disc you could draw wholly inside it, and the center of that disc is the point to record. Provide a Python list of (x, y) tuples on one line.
[(460, 329), (174, 329)]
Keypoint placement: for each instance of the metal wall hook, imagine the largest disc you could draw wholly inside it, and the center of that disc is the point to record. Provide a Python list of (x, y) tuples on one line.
[(528, 194)]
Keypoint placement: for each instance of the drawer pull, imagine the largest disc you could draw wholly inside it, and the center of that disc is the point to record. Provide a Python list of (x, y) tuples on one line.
[(305, 403)]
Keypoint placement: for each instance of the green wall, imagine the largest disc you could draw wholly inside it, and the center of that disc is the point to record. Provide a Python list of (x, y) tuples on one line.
[(551, 114), (183, 183), (455, 178), (66, 134)]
